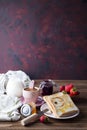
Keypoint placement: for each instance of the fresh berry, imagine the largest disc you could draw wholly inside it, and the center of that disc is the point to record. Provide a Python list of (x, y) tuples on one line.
[(62, 88), (68, 87), (44, 119), (73, 92)]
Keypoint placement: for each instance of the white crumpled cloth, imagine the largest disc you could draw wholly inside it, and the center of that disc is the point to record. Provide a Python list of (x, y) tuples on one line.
[(9, 108), (4, 77), (9, 105)]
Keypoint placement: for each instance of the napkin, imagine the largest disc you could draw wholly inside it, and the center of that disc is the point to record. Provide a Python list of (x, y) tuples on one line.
[(9, 108)]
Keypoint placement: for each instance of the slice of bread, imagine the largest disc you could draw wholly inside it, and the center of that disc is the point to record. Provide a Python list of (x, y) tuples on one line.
[(61, 104)]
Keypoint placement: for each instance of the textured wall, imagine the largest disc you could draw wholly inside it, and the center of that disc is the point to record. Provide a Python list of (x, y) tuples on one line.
[(44, 38)]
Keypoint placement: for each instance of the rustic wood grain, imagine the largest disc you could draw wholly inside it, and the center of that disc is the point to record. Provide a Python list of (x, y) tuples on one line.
[(77, 123)]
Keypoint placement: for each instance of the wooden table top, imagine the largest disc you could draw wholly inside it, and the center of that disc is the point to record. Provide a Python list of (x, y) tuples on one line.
[(77, 123)]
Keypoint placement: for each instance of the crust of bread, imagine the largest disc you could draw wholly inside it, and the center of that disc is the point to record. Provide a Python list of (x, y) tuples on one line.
[(60, 104)]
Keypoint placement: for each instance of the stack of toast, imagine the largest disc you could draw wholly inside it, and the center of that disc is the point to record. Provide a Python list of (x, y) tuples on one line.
[(60, 104)]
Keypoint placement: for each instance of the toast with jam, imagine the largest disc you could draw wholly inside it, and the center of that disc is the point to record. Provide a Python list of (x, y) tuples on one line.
[(60, 104)]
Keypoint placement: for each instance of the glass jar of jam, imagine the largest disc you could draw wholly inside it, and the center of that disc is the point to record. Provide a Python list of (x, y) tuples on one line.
[(46, 87)]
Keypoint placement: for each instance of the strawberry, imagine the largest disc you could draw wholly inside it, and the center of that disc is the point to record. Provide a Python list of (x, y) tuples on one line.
[(44, 119), (73, 91), (62, 88), (68, 87)]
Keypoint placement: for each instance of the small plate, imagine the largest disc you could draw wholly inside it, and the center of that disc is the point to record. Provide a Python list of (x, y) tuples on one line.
[(49, 114), (39, 101)]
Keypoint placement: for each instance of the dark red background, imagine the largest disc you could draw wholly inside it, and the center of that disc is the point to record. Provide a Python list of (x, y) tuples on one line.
[(44, 38)]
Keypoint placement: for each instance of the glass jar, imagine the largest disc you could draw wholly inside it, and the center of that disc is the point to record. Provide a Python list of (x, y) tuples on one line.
[(46, 87)]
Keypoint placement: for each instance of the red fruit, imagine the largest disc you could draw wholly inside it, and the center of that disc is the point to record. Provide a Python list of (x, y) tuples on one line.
[(74, 92), (62, 88), (44, 119), (68, 87)]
